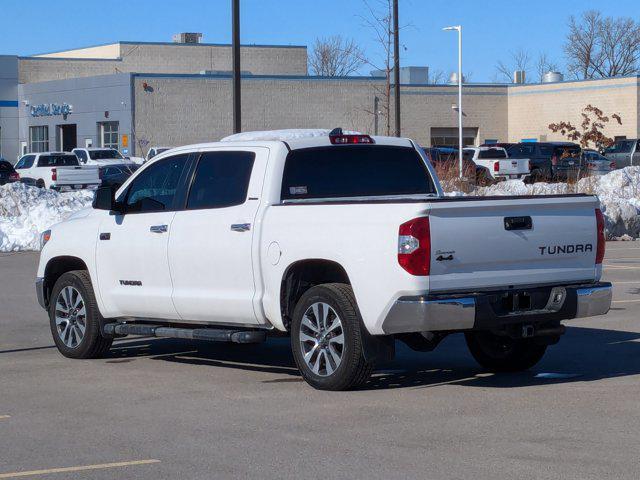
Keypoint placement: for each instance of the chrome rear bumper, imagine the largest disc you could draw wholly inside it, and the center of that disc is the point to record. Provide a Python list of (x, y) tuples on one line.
[(594, 300), (484, 310)]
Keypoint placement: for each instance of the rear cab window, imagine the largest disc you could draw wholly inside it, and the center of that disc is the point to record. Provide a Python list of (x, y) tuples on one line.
[(355, 171), (492, 153), (567, 151), (58, 161)]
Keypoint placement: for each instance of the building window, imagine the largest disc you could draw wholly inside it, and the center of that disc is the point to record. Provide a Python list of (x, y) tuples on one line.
[(448, 137), (39, 139), (109, 135)]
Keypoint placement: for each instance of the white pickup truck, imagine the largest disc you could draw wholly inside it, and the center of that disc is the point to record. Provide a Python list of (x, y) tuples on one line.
[(100, 156), (58, 171), (498, 162), (345, 242)]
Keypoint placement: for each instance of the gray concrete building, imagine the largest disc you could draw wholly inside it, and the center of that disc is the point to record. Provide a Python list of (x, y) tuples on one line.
[(133, 95)]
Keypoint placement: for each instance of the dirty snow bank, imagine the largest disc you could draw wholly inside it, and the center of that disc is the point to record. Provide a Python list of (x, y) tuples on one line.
[(25, 212), (619, 193)]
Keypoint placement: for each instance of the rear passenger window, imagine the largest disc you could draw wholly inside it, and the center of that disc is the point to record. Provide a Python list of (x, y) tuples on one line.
[(354, 171), (155, 188), (221, 180)]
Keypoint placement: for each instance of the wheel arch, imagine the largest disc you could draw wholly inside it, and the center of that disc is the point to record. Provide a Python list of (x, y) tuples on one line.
[(301, 275), (58, 266)]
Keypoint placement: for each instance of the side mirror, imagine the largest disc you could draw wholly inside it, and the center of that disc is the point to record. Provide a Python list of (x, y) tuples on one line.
[(104, 199)]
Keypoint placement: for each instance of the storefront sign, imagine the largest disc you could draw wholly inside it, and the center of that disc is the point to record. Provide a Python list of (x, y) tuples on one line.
[(51, 109)]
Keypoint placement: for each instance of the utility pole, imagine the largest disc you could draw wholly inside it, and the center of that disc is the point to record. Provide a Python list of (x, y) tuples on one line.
[(396, 65), (235, 48)]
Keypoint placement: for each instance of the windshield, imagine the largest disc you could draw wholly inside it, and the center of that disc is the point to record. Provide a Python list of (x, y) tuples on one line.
[(355, 171), (105, 154), (58, 161)]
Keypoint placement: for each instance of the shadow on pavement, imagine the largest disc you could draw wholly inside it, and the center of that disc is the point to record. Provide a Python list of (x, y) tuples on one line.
[(583, 354)]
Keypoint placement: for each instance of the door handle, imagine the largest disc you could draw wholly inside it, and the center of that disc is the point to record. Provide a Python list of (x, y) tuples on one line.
[(240, 227), (158, 228)]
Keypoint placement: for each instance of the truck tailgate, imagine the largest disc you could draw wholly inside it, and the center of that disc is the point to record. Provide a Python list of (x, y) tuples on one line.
[(82, 175), (513, 166), (480, 243)]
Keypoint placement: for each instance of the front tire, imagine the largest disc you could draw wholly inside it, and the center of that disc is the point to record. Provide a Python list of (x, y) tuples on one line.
[(75, 319), (498, 353), (326, 339)]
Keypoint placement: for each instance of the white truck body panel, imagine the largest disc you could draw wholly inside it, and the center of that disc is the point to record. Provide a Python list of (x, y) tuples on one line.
[(200, 270), (512, 257), (67, 177)]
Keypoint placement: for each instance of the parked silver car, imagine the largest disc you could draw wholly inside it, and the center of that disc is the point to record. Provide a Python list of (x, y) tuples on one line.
[(597, 164), (625, 153)]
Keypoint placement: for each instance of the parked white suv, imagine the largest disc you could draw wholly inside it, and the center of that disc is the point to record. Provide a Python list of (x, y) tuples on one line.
[(496, 160), (346, 242), (56, 170), (100, 156)]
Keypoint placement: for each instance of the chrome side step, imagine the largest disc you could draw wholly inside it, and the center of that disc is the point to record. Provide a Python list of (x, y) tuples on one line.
[(209, 334)]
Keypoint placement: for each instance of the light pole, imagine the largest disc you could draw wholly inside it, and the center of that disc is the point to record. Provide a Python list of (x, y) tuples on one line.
[(459, 29)]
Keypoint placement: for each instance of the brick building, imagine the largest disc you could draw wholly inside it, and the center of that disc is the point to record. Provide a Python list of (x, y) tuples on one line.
[(132, 95)]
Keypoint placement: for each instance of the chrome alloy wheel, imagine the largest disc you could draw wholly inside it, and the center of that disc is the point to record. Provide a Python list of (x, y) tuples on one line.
[(71, 316), (321, 339)]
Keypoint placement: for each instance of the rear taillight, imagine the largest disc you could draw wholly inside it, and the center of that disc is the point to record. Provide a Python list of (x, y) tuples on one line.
[(54, 174), (592, 166), (496, 166), (554, 160), (612, 165), (601, 238), (414, 246), (14, 176)]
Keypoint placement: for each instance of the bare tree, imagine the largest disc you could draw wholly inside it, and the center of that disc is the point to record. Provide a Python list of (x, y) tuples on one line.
[(544, 65), (438, 77), (590, 131), (598, 46), (336, 57), (520, 60), (379, 20)]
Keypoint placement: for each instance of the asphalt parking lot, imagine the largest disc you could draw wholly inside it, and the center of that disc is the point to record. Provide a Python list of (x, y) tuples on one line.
[(167, 409)]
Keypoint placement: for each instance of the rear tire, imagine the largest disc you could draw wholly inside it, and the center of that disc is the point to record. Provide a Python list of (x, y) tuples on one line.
[(498, 353), (326, 339), (75, 319), (40, 183)]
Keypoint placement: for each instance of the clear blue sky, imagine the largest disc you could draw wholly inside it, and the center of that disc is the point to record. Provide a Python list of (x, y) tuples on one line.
[(491, 28)]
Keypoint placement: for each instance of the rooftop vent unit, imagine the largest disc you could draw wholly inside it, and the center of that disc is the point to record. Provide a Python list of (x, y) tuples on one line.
[(187, 37), (453, 78), (519, 77), (552, 77)]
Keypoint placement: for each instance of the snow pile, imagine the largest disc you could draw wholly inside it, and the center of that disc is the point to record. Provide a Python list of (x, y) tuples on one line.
[(282, 135), (619, 193), (25, 212)]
